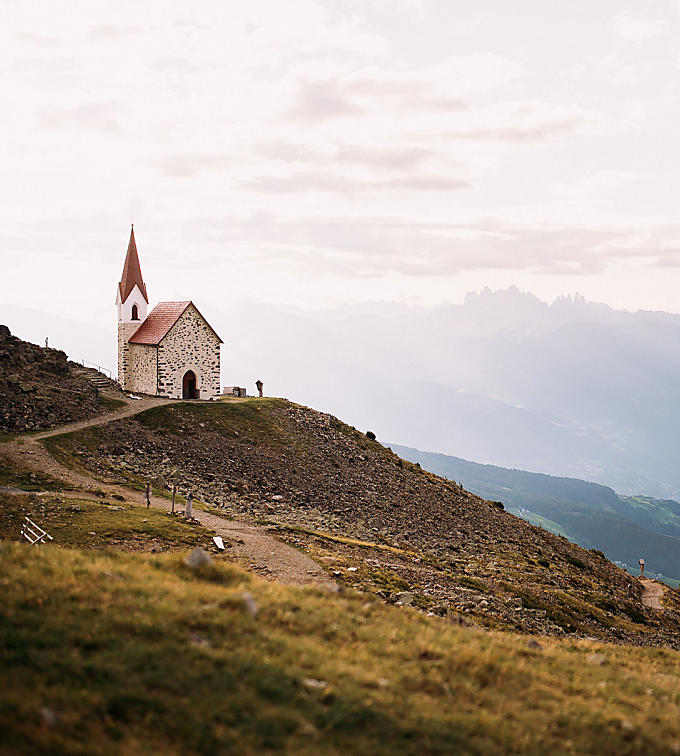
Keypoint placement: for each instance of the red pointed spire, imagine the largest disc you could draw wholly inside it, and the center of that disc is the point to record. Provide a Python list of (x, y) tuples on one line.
[(132, 272)]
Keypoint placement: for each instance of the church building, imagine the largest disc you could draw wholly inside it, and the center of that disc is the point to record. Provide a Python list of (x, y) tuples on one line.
[(172, 352)]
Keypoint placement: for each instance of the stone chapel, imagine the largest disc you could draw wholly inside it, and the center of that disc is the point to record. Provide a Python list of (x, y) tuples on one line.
[(172, 352)]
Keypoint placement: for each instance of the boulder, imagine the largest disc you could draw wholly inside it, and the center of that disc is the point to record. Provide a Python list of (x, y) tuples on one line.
[(197, 558)]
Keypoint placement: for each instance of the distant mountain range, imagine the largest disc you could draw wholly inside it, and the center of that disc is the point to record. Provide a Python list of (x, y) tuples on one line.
[(625, 528)]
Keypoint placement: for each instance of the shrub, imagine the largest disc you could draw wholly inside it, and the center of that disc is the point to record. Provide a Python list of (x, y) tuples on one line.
[(544, 562), (371, 435), (598, 553), (473, 583), (498, 504), (576, 562)]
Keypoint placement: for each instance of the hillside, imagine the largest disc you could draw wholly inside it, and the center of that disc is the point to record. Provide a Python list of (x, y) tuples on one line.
[(113, 653), (40, 388), (378, 523), (594, 516), (395, 650)]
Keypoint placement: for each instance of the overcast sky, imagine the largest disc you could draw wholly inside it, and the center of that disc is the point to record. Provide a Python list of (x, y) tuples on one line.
[(317, 153)]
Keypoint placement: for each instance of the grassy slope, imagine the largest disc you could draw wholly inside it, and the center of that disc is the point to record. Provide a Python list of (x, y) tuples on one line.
[(95, 525), (590, 514), (120, 653)]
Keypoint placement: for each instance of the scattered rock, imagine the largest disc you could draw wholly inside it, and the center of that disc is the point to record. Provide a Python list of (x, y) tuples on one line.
[(249, 604), (404, 598), (49, 717), (40, 388), (197, 558), (310, 682), (598, 659), (328, 587), (198, 640)]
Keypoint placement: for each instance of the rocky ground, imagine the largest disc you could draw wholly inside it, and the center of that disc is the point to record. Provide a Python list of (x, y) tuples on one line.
[(377, 522), (40, 388)]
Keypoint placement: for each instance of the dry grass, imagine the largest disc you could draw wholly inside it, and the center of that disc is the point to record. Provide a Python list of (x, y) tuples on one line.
[(82, 523), (121, 653)]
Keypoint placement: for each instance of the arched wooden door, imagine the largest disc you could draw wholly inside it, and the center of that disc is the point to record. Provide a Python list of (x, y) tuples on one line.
[(189, 385)]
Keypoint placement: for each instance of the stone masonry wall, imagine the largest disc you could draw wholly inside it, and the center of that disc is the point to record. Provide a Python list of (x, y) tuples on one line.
[(125, 331), (190, 345), (141, 375)]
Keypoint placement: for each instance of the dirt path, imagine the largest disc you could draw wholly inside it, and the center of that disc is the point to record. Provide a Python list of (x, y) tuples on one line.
[(652, 593), (133, 407), (256, 549)]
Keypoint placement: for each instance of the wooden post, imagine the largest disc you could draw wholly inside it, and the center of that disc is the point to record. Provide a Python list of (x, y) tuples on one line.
[(174, 489), (148, 495)]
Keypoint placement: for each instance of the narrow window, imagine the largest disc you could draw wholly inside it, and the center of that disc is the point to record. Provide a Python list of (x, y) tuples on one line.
[(135, 312)]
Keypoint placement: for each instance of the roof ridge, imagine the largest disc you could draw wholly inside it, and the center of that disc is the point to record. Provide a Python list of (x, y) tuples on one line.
[(161, 319)]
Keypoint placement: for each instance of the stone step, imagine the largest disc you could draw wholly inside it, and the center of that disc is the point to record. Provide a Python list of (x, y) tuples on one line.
[(94, 376)]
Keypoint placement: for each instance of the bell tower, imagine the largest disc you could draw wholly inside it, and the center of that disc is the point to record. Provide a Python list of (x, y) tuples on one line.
[(131, 303)]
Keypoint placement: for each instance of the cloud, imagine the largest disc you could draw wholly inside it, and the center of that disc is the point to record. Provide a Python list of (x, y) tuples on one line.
[(382, 158), (520, 133), (40, 40), (380, 246), (94, 116), (188, 166), (104, 32), (321, 100), (639, 28), (349, 185)]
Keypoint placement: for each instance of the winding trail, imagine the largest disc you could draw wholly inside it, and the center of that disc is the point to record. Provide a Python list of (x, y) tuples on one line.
[(256, 548)]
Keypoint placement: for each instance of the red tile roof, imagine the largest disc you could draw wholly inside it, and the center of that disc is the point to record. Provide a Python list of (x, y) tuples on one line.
[(159, 322), (132, 272)]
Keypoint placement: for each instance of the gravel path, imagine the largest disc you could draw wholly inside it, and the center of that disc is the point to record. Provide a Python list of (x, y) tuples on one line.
[(255, 548)]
